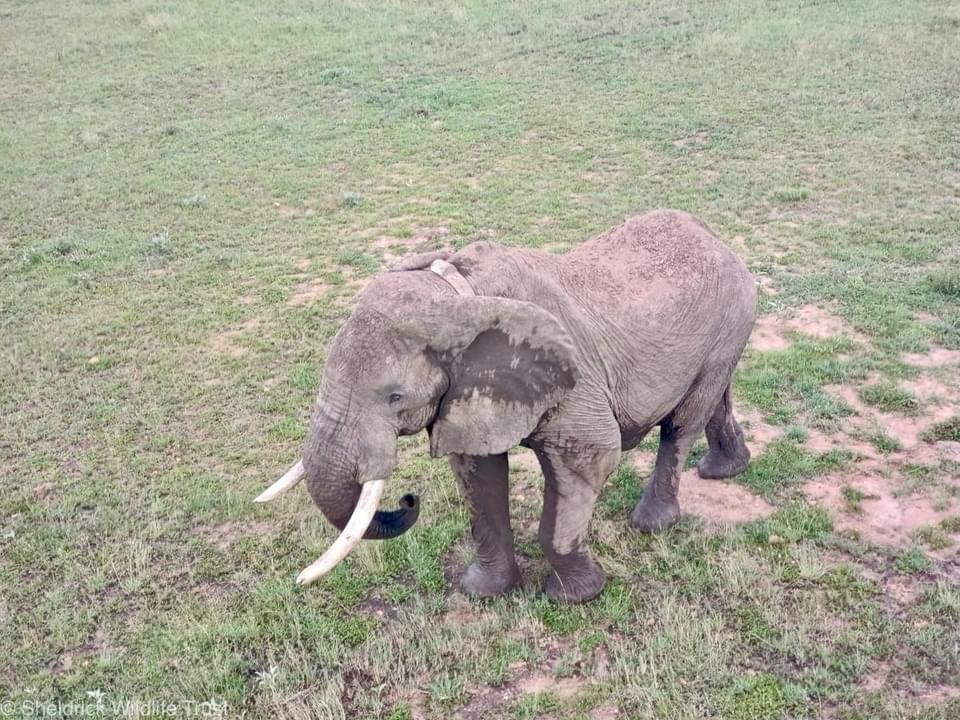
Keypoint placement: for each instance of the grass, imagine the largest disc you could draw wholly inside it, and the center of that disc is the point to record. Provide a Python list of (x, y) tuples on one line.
[(946, 430), (883, 443), (786, 384), (889, 398), (194, 196), (784, 463)]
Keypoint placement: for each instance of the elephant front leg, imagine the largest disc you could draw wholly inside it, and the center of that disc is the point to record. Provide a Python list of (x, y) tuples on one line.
[(483, 480), (572, 482)]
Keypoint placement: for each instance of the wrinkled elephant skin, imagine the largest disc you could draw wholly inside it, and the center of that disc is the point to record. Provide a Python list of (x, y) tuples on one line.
[(576, 356)]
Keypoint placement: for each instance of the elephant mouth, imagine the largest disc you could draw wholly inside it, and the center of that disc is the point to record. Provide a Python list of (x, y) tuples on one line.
[(366, 522)]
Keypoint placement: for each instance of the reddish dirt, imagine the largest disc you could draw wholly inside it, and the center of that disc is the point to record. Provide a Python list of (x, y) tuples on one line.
[(525, 460), (904, 428), (768, 334), (604, 712), (715, 501), (771, 332), (492, 702), (719, 502), (99, 644), (758, 432), (885, 516), (309, 291), (936, 358), (308, 209), (462, 612), (422, 239), (226, 342), (315, 289), (43, 490), (563, 688), (819, 323), (894, 508), (224, 535)]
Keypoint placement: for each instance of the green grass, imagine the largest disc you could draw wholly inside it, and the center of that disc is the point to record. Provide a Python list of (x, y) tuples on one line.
[(889, 398), (790, 383), (913, 561), (883, 443), (194, 194), (784, 463), (946, 430)]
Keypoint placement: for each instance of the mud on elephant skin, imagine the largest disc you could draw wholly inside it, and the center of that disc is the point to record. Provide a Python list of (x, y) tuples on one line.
[(576, 356)]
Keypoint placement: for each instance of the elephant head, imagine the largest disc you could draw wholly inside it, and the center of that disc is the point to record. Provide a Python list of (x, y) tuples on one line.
[(477, 373)]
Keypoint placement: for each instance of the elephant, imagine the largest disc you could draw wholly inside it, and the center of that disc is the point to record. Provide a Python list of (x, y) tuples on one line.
[(576, 356)]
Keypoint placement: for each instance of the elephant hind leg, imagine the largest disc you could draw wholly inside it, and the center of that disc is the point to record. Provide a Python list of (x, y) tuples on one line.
[(659, 507), (728, 454)]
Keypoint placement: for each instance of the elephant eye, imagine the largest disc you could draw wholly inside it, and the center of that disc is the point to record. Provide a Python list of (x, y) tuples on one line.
[(394, 398)]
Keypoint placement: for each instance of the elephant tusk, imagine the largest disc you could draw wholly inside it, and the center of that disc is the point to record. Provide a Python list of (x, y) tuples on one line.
[(350, 536), (290, 478)]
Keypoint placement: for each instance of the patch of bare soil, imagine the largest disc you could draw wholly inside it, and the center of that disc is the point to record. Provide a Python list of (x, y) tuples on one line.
[(819, 323), (765, 285), (902, 590), (422, 239), (770, 332), (227, 342), (757, 431), (937, 357), (492, 702), (563, 688), (377, 607), (462, 612), (525, 460), (695, 141), (315, 289), (718, 502), (884, 675), (224, 535), (933, 695), (43, 490), (892, 509), (99, 644), (289, 211), (883, 516), (930, 389), (309, 291), (877, 679), (904, 428), (604, 712)]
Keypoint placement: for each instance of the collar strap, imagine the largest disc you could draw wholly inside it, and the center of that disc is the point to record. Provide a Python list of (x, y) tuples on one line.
[(453, 277)]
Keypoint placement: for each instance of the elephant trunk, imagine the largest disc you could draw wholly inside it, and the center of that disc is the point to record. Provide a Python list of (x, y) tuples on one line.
[(346, 481), (384, 525)]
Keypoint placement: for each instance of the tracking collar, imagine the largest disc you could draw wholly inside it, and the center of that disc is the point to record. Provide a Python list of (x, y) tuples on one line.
[(453, 277)]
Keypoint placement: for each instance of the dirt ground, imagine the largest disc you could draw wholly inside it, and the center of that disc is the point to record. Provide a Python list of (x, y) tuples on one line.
[(893, 507)]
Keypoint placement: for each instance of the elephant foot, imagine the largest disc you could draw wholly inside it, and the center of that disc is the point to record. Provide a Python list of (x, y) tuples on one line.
[(715, 466), (654, 516), (579, 583), (487, 581)]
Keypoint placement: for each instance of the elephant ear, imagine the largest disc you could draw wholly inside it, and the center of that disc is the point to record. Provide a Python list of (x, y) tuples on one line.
[(508, 361)]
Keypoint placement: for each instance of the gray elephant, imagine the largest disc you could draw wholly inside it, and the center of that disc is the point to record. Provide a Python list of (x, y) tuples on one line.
[(576, 356)]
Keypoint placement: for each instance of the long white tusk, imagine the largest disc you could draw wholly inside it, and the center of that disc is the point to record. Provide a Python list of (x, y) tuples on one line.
[(290, 478), (351, 535)]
